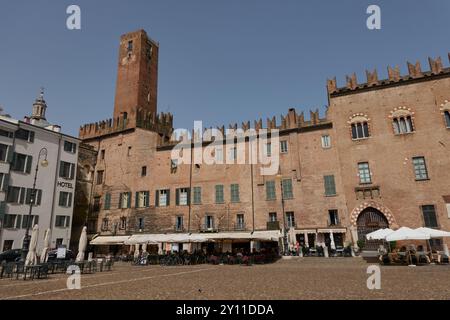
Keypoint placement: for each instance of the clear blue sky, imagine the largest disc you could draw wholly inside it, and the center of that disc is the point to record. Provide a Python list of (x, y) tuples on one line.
[(220, 61)]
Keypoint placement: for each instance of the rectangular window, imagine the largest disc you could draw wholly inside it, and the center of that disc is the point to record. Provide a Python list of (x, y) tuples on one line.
[(219, 155), (429, 216), (70, 147), (290, 219), (234, 188), (173, 165), (233, 153), (5, 133), (269, 149), (125, 200), (197, 195), (65, 199), (420, 168), (144, 171), (105, 224), (240, 222), (30, 222), (123, 223), (326, 142), (447, 118), (330, 186), (97, 204), (21, 163), (102, 155), (209, 222), (62, 221), (100, 175), (284, 146), (219, 194), (287, 189), (130, 46), (108, 201), (16, 195), (273, 217), (142, 199), (270, 190), (33, 197), (66, 170), (141, 223), (182, 196), (163, 198), (26, 135), (334, 217), (179, 223), (10, 221), (364, 173)]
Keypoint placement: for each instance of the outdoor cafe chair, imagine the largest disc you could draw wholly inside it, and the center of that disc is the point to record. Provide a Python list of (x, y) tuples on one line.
[(7, 270)]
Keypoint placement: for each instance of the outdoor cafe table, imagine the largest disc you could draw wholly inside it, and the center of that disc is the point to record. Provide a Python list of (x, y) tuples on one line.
[(34, 270)]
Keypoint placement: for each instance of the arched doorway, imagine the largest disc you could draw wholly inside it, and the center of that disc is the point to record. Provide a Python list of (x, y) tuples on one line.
[(370, 220)]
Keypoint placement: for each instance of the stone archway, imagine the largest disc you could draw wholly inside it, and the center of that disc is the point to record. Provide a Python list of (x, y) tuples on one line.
[(372, 204)]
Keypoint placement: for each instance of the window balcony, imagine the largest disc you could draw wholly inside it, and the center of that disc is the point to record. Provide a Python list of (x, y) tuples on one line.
[(208, 228), (239, 226)]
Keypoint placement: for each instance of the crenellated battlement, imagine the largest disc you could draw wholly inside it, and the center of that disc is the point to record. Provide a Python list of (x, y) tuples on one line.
[(394, 77), (161, 123)]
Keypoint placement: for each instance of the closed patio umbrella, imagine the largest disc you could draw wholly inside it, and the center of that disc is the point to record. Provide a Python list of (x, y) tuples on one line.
[(144, 248), (44, 253), (82, 245), (136, 250), (31, 255)]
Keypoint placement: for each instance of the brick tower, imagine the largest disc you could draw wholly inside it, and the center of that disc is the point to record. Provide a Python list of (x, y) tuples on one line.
[(137, 76)]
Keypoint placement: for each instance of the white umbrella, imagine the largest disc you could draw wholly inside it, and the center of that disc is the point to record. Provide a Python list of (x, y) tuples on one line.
[(136, 250), (380, 234), (44, 253), (433, 233), (405, 233), (82, 245), (31, 255)]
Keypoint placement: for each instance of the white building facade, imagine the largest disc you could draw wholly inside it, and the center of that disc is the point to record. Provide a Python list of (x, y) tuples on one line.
[(23, 147)]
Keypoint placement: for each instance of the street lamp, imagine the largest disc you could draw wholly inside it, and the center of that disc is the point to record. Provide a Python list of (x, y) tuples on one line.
[(285, 240), (26, 241)]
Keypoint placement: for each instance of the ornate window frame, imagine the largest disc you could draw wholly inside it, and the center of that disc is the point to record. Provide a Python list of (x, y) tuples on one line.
[(359, 126), (403, 120)]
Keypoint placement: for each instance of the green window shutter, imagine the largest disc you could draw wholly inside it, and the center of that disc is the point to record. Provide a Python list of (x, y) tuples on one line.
[(168, 197), (2, 210), (287, 189), (70, 200), (177, 197), (330, 187), (72, 171), (107, 201), (157, 198), (18, 221), (189, 196), (5, 182), (29, 163), (270, 190), (129, 200), (61, 199), (22, 195), (36, 219), (67, 221), (136, 200), (31, 137), (10, 156), (120, 200), (28, 196), (147, 199)]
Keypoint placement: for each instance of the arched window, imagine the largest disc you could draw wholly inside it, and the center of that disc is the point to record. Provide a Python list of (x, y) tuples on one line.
[(402, 120), (360, 126)]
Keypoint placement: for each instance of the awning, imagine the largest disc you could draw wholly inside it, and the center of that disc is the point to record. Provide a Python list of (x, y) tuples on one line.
[(170, 238), (257, 235), (109, 240), (331, 230), (202, 237), (308, 231)]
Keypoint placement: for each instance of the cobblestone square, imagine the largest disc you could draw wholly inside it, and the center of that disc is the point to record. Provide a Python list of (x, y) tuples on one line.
[(295, 279)]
